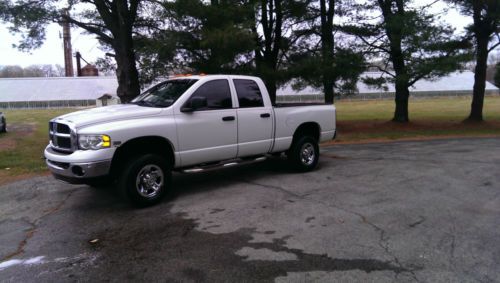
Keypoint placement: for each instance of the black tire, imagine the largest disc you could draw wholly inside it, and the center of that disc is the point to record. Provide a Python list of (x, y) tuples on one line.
[(4, 126), (154, 184), (304, 154)]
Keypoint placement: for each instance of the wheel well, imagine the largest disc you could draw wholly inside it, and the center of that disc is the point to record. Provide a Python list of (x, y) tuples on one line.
[(307, 129), (151, 144)]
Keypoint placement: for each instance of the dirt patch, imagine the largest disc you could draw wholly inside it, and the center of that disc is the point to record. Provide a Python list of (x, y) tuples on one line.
[(7, 142), (350, 131), (15, 132), (348, 127), (22, 128)]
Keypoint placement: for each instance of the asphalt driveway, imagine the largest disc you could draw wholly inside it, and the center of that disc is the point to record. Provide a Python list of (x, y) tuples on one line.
[(411, 211)]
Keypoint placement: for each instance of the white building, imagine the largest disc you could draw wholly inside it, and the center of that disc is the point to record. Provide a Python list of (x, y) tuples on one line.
[(454, 84), (101, 91), (57, 92)]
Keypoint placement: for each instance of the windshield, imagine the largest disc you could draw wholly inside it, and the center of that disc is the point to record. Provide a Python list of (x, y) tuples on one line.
[(163, 94)]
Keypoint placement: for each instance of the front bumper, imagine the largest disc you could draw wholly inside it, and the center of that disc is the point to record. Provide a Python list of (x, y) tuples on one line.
[(63, 167)]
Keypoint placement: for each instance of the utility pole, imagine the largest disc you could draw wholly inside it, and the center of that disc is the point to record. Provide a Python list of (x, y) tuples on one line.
[(68, 53)]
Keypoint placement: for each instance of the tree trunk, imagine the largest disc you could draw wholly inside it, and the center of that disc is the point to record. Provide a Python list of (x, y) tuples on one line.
[(394, 33), (267, 62), (271, 88), (327, 48), (126, 72), (476, 113), (402, 97)]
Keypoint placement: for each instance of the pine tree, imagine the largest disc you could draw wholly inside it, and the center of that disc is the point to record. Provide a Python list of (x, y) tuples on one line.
[(411, 43), (484, 29)]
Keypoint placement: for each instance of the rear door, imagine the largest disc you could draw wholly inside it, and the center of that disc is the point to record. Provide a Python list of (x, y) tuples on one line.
[(209, 134), (255, 120)]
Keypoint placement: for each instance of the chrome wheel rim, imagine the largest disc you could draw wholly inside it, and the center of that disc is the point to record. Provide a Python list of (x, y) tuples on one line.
[(149, 181), (307, 154)]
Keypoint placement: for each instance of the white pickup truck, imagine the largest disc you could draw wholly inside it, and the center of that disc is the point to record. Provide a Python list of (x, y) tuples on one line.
[(186, 124)]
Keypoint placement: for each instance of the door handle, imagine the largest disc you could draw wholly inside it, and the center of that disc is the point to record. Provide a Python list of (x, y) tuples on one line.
[(228, 118), (265, 115)]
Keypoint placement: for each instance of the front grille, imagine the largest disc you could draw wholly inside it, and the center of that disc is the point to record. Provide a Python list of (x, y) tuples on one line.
[(61, 137), (62, 128)]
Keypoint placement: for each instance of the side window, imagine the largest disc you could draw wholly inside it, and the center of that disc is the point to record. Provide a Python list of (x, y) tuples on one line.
[(217, 93), (248, 93)]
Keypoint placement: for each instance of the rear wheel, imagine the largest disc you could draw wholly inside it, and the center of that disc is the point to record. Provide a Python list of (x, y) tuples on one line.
[(304, 154), (145, 179)]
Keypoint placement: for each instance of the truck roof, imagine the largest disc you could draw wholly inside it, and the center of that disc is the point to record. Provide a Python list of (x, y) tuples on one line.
[(201, 76)]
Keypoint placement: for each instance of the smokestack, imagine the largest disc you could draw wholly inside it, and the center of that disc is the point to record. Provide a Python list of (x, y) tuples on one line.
[(68, 58), (78, 64)]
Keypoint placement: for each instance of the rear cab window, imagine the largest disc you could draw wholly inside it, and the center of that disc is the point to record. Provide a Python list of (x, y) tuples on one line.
[(248, 93)]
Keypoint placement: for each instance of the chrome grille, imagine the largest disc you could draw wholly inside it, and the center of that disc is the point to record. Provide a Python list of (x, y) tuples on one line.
[(62, 138)]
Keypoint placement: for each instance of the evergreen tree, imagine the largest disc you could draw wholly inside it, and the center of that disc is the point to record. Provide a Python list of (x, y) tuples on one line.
[(411, 43), (211, 38), (114, 22), (484, 29), (321, 62)]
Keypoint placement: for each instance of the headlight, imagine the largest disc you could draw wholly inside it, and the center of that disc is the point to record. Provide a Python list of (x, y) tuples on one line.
[(93, 141)]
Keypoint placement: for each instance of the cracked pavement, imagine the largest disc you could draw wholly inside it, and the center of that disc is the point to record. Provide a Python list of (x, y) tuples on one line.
[(398, 212)]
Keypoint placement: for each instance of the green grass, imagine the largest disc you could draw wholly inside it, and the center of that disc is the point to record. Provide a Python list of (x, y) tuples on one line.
[(365, 120), (437, 109), (25, 141)]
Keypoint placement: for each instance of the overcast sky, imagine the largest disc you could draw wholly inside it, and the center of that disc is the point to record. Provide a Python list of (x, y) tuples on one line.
[(52, 50)]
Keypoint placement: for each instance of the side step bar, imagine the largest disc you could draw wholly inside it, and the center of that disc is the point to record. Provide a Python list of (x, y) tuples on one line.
[(223, 164)]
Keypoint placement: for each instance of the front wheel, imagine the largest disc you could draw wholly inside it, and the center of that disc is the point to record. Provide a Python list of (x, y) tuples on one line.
[(145, 180), (304, 154)]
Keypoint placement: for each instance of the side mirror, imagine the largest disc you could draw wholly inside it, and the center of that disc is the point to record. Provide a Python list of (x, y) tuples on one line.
[(195, 103)]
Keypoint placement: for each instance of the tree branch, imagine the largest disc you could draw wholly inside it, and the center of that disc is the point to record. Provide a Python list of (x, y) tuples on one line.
[(92, 28)]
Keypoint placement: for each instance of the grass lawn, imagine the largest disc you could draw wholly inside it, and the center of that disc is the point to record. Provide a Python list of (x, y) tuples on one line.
[(360, 121), (21, 149)]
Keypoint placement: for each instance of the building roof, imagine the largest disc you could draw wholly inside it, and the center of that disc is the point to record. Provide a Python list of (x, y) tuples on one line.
[(57, 88), (458, 81)]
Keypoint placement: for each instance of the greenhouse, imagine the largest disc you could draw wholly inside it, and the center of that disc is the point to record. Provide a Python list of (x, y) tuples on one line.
[(455, 84), (57, 92)]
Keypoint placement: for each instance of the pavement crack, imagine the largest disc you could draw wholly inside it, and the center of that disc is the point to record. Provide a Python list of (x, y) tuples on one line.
[(57, 207), (283, 190), (34, 225), (20, 247), (383, 238), (418, 222)]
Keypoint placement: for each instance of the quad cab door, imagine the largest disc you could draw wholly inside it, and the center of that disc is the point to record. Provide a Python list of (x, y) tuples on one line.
[(208, 133), (255, 120)]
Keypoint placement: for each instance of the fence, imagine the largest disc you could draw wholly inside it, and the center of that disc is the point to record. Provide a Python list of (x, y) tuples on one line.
[(299, 98), (316, 98), (47, 104)]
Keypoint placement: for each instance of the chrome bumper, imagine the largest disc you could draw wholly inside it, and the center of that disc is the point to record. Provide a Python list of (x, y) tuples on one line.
[(79, 170), (78, 165)]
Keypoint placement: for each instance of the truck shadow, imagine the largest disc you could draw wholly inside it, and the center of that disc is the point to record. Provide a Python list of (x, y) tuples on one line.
[(190, 183), (214, 179)]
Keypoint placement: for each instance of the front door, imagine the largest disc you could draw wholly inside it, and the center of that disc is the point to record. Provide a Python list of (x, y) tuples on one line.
[(209, 134)]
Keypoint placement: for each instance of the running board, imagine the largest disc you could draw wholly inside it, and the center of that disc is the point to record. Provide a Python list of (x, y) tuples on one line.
[(224, 164)]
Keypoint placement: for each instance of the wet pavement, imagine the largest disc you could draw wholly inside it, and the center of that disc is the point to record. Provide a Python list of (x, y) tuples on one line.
[(409, 211)]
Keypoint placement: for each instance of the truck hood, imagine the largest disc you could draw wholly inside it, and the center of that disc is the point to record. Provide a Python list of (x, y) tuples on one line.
[(108, 114)]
